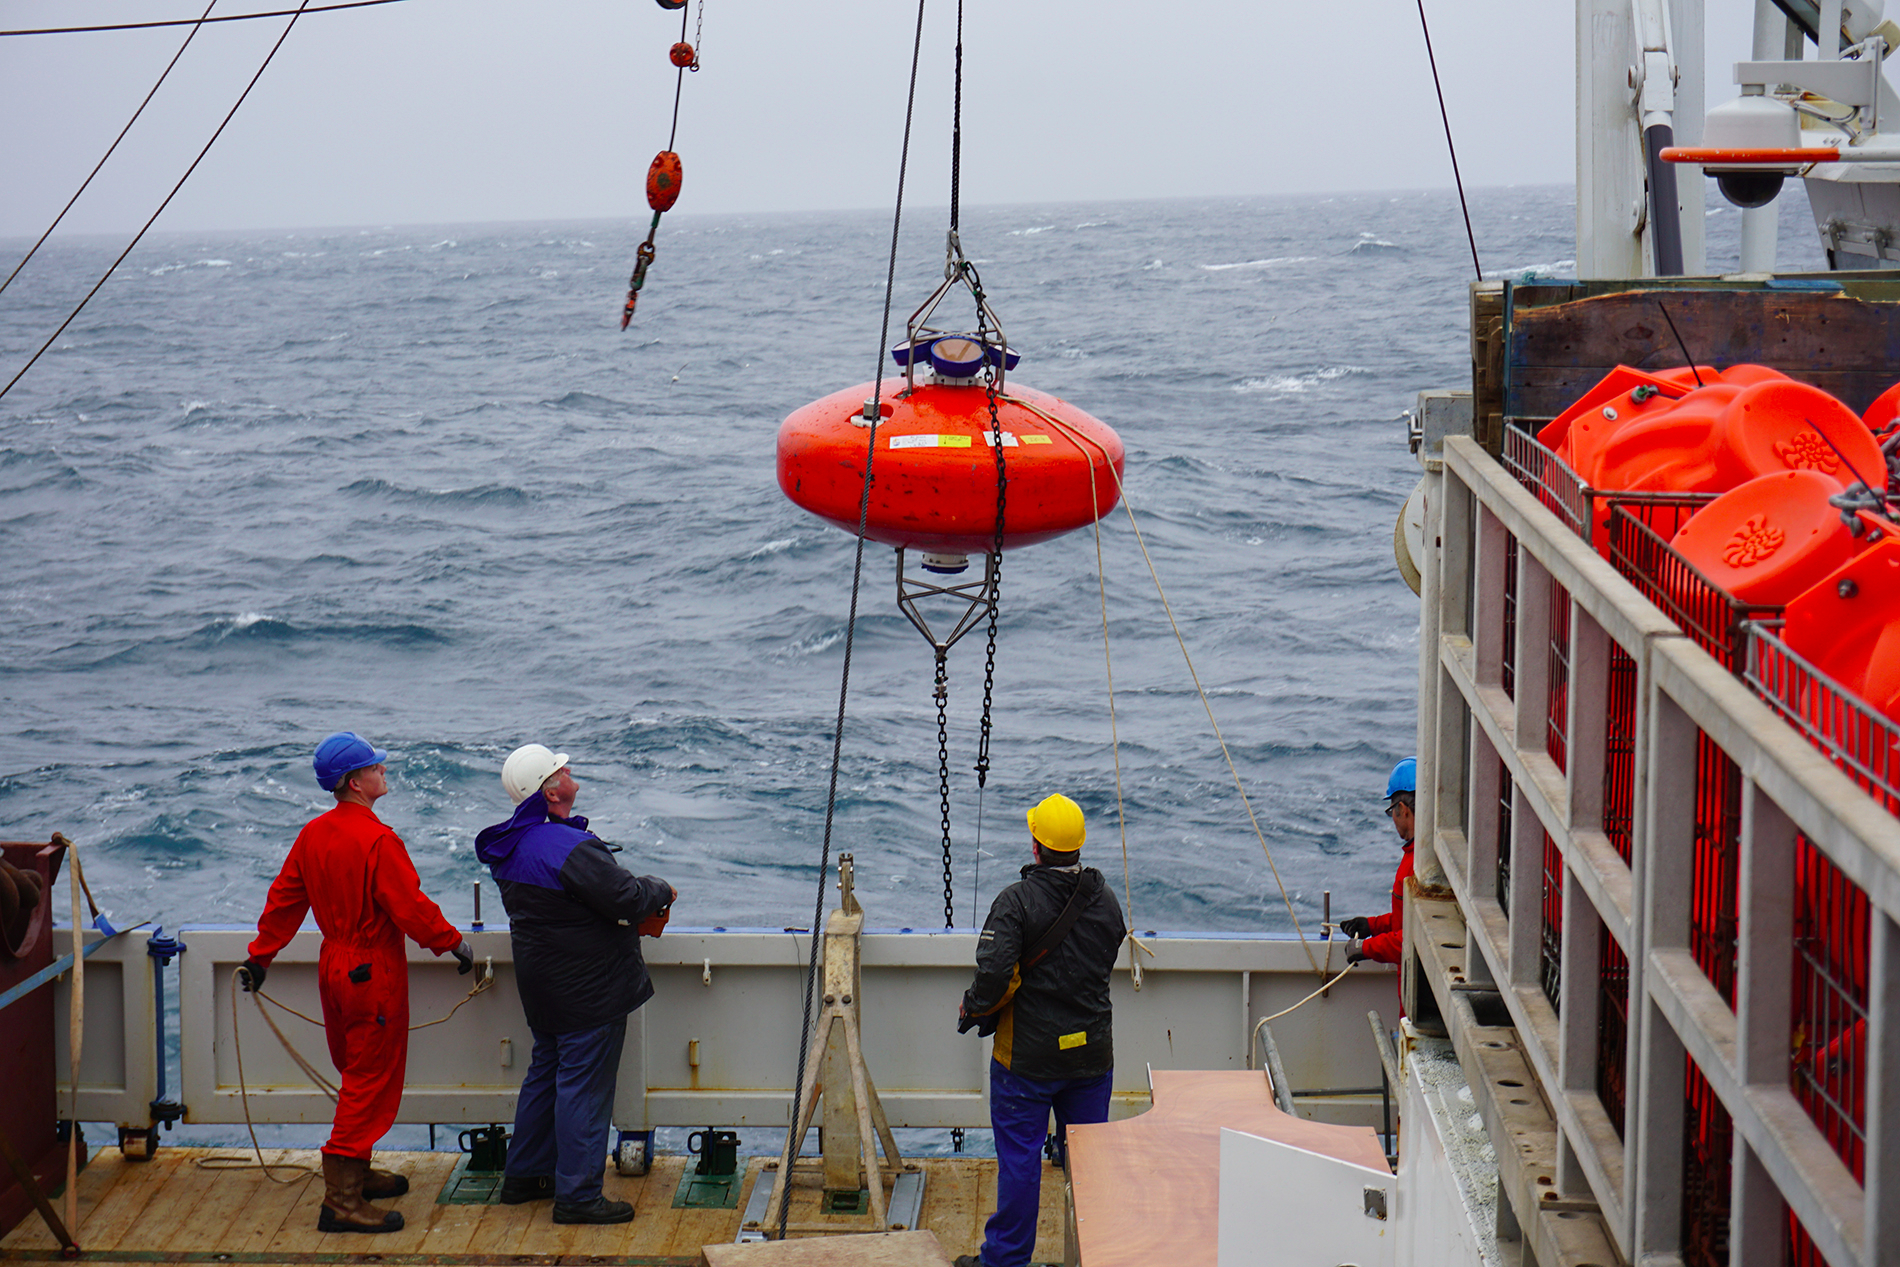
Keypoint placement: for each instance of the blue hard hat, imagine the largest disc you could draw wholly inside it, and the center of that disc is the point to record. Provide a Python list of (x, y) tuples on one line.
[(1404, 778), (341, 753)]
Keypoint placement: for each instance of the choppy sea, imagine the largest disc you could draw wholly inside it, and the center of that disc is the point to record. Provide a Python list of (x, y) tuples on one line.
[(413, 481)]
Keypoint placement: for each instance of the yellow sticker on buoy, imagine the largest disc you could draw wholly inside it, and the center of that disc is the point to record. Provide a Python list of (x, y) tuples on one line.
[(930, 442), (1037, 440)]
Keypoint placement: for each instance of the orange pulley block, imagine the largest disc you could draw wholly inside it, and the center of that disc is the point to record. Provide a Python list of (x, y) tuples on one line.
[(663, 181), (683, 56), (672, 4)]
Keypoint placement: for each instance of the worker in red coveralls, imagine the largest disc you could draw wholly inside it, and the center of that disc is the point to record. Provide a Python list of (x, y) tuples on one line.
[(354, 874), (1382, 937)]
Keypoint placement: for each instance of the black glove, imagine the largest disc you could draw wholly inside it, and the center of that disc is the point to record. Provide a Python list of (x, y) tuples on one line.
[(251, 975), (1357, 926), (1356, 951), (984, 1025), (464, 958)]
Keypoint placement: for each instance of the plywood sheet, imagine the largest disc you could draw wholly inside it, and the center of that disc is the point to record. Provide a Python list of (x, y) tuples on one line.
[(1147, 1188)]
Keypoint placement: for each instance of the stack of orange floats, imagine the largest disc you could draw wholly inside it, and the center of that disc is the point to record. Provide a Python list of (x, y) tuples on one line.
[(1781, 454)]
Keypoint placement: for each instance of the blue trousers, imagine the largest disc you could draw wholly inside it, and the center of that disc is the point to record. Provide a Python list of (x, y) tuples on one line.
[(1019, 1115), (565, 1110)]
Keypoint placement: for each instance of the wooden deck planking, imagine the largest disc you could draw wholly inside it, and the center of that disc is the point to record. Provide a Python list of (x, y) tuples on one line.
[(171, 1206), (270, 1204)]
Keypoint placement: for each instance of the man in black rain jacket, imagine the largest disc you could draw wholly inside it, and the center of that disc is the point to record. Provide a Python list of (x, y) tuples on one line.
[(574, 916), (1045, 992)]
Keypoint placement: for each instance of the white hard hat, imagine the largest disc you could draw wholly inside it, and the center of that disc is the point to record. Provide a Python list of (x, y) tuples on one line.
[(527, 768)]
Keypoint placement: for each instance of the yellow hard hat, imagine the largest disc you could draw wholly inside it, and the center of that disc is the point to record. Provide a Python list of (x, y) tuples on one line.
[(1057, 824)]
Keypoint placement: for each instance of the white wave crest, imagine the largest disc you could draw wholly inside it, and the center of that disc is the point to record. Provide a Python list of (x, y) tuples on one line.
[(1293, 384), (1268, 263), (772, 547), (1023, 233), (1524, 272)]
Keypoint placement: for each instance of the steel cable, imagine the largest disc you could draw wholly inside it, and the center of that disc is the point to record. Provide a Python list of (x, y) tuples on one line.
[(850, 629), (84, 184), (146, 228)]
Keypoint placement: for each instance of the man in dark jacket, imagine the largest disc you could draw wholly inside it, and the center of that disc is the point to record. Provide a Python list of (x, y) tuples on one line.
[(574, 915), (1042, 965)]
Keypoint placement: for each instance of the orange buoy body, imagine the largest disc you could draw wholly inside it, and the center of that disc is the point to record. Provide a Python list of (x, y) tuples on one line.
[(1769, 539), (933, 484), (663, 181)]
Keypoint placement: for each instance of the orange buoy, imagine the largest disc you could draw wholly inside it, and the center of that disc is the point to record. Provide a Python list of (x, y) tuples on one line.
[(1848, 627), (933, 486), (1769, 539), (682, 55), (663, 181)]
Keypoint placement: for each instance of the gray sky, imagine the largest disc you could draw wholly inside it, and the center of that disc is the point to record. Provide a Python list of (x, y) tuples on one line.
[(476, 110)]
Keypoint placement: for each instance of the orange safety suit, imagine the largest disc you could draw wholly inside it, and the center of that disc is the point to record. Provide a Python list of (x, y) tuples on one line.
[(355, 874), (1386, 942)]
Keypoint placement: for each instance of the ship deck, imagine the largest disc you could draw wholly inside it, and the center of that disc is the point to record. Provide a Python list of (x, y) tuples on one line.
[(174, 1209)]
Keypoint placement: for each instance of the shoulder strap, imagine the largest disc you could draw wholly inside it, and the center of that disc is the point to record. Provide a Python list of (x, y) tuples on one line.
[(1072, 911)]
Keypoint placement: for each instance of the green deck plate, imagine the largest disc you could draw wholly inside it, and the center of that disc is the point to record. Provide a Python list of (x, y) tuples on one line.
[(470, 1187), (708, 1192), (843, 1202)]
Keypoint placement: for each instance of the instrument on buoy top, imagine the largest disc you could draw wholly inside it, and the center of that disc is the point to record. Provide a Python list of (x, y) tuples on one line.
[(934, 473)]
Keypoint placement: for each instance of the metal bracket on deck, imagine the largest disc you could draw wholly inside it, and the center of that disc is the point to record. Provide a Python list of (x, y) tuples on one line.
[(854, 1124)]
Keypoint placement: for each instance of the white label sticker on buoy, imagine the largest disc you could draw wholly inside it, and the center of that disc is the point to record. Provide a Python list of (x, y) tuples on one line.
[(930, 442), (1009, 439)]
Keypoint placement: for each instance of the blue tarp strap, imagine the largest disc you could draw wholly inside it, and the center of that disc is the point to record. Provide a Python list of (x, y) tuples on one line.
[(63, 964)]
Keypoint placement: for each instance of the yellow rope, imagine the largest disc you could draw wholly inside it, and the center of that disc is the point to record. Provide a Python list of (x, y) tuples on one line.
[(1078, 439), (1262, 1023), (315, 1075)]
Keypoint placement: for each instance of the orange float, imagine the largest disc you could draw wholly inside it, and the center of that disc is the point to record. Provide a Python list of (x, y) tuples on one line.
[(1719, 437), (1770, 539), (933, 484), (1848, 627), (663, 181)]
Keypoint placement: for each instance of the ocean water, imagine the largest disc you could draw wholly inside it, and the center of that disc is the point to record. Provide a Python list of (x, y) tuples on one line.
[(413, 481)]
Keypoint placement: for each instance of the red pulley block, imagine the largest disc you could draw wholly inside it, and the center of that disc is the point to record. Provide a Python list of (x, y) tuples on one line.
[(683, 56)]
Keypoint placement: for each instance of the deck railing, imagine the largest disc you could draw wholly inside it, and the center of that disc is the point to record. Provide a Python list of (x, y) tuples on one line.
[(1680, 871)]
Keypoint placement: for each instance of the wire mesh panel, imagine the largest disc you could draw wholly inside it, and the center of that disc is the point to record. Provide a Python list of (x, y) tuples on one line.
[(1550, 950), (1829, 1066), (1504, 836), (1718, 833), (1864, 743), (1639, 548), (1707, 1160), (1508, 667), (1613, 1015), (1546, 477), (1619, 753), (1557, 727)]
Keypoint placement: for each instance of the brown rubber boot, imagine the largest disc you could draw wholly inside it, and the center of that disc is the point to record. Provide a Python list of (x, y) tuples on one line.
[(344, 1209), (384, 1185)]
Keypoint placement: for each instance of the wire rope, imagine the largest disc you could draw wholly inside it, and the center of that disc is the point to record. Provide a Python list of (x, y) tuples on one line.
[(1446, 117), (1079, 440), (874, 413), (84, 184), (229, 17), (146, 228)]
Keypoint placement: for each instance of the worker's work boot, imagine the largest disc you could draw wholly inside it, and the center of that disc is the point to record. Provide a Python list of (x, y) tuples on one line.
[(344, 1209), (384, 1185)]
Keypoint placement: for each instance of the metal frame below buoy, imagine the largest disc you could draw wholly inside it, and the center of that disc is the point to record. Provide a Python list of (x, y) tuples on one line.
[(978, 596)]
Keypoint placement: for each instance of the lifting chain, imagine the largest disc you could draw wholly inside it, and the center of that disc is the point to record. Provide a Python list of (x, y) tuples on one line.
[(943, 777), (996, 591)]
